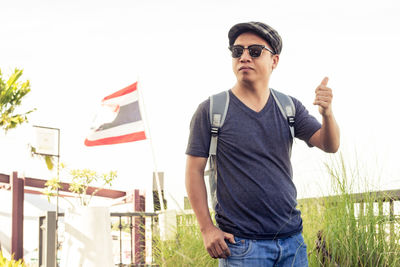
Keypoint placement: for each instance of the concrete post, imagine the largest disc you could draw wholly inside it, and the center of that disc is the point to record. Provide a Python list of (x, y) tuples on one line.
[(47, 240)]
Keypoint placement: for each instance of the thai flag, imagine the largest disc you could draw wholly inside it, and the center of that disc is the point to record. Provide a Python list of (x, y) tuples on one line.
[(119, 120)]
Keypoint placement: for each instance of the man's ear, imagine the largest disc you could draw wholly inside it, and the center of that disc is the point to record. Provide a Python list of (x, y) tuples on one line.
[(275, 61)]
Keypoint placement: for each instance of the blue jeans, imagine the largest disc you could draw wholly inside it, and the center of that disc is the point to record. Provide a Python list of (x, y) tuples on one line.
[(285, 252)]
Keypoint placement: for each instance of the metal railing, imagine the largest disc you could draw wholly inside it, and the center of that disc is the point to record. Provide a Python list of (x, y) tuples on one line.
[(133, 225)]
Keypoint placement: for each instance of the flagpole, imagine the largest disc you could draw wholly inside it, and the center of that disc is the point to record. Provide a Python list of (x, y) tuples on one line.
[(147, 130)]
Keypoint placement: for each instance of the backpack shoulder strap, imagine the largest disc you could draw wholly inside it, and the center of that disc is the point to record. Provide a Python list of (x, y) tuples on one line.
[(218, 108), (287, 108)]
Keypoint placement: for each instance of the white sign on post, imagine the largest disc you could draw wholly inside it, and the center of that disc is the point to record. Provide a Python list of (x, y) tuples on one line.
[(46, 140)]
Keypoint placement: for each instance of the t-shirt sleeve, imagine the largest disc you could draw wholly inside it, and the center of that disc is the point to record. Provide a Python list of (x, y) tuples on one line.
[(305, 124), (200, 132)]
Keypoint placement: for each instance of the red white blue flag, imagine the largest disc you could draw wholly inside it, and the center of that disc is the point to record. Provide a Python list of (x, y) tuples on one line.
[(119, 120)]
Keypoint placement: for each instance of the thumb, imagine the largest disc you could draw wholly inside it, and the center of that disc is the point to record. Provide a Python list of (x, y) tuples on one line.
[(230, 238), (325, 81)]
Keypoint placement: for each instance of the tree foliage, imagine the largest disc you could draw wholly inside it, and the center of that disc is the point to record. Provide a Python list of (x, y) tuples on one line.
[(12, 91), (81, 180)]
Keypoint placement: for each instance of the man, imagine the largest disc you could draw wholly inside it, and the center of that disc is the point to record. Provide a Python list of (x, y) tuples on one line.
[(258, 223)]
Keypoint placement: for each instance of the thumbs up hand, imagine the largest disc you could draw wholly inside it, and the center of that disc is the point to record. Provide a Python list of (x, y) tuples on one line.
[(323, 98)]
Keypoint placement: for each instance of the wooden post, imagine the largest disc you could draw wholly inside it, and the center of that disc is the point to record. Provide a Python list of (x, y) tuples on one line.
[(361, 218), (391, 218), (381, 222), (17, 234), (140, 242)]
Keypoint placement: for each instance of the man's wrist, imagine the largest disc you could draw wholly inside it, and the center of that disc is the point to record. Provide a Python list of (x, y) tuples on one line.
[(206, 227), (328, 115)]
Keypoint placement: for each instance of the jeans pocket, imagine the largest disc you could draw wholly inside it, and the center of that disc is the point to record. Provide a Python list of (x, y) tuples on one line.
[(240, 248), (300, 240)]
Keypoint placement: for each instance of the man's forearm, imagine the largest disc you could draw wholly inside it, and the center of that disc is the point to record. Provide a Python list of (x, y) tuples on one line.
[(330, 134), (213, 237), (328, 137), (197, 194)]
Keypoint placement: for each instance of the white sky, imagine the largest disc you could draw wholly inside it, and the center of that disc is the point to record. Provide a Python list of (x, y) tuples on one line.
[(77, 52)]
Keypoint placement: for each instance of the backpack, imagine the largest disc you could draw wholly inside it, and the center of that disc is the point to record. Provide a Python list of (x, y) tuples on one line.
[(219, 104)]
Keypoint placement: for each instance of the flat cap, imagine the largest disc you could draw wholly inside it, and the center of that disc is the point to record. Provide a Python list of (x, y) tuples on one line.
[(263, 30)]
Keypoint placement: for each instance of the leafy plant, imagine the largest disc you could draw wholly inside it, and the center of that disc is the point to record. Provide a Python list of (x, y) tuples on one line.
[(4, 262), (81, 180), (11, 94), (49, 160)]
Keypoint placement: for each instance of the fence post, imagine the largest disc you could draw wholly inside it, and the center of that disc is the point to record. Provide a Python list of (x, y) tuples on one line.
[(140, 227), (155, 237), (381, 222), (47, 240), (40, 247), (17, 234), (391, 218)]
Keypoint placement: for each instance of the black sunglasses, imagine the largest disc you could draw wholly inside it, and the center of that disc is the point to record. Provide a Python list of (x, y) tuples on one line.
[(254, 50)]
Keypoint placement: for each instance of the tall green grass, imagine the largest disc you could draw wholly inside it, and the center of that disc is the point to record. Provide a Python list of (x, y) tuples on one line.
[(355, 234), (186, 250)]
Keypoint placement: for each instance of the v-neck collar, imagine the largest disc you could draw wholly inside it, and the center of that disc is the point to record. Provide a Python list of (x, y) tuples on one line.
[(248, 110)]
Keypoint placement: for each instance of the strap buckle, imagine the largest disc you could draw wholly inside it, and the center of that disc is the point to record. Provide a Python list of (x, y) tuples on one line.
[(291, 120), (214, 131)]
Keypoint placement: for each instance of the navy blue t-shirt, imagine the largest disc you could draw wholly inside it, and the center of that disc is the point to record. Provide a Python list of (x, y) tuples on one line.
[(255, 190)]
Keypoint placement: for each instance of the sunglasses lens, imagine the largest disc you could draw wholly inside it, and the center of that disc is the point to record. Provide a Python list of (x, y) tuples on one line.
[(237, 51), (255, 51)]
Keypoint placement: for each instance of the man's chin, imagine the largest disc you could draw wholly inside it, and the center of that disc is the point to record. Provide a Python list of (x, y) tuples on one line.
[(246, 79)]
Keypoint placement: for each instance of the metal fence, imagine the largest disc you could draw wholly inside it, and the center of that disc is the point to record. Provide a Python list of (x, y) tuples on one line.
[(132, 234)]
